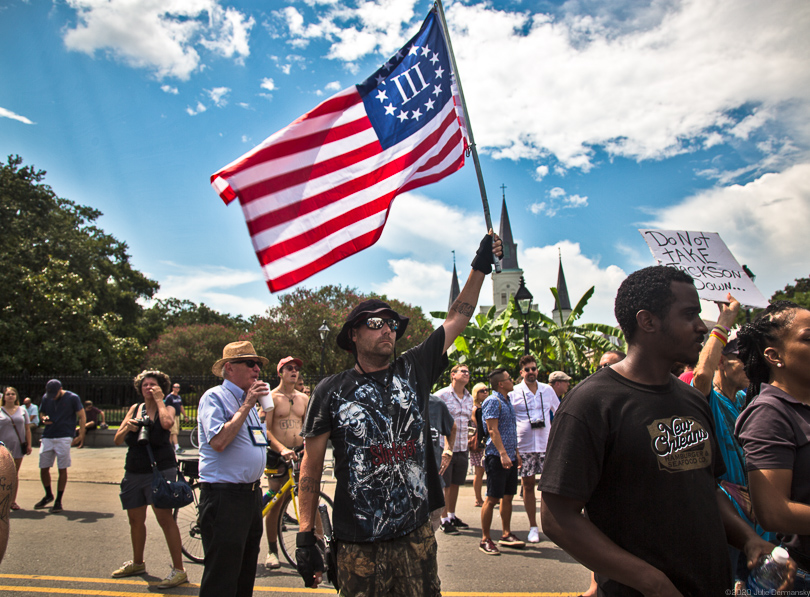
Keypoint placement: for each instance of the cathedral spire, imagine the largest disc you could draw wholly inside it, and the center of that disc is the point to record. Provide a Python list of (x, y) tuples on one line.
[(562, 308), (509, 259), (454, 287)]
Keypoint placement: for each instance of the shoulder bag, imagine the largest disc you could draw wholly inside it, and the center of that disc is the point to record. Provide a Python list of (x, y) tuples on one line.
[(168, 494), (23, 445)]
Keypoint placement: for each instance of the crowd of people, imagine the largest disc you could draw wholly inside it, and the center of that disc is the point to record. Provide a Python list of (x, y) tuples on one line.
[(659, 485)]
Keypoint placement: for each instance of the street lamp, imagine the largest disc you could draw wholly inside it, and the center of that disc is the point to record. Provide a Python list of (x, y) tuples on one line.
[(323, 331), (523, 298)]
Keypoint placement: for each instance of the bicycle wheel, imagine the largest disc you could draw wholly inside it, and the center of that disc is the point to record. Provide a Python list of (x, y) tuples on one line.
[(288, 525), (194, 437), (186, 518)]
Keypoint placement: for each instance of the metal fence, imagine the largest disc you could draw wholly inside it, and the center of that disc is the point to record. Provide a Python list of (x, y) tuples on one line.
[(115, 394)]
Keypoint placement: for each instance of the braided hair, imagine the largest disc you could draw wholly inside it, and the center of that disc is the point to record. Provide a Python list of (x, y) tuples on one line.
[(758, 335)]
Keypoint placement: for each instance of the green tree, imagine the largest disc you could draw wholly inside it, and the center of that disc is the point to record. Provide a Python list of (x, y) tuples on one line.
[(69, 295), (173, 312), (291, 328), (491, 341), (799, 293), (189, 349)]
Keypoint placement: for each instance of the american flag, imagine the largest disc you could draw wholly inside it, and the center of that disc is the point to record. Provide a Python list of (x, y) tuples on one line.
[(320, 189)]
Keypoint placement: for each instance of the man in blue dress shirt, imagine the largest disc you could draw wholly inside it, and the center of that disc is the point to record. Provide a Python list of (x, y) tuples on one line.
[(233, 448)]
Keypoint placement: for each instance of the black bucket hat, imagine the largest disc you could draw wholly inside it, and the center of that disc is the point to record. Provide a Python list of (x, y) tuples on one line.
[(362, 311)]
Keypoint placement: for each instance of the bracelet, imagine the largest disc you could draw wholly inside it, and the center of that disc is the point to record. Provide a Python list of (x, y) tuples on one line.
[(721, 329), (723, 341), (720, 325), (447, 453)]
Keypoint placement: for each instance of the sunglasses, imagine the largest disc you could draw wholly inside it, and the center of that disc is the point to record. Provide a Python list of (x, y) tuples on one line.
[(250, 363), (529, 369), (463, 372), (291, 368), (376, 323)]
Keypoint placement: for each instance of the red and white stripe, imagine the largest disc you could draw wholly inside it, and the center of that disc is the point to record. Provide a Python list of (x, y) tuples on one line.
[(320, 189)]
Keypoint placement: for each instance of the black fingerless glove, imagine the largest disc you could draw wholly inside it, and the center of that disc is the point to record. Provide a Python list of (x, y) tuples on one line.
[(308, 559), (483, 256)]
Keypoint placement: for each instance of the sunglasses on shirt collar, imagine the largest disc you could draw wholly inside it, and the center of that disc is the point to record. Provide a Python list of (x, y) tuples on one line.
[(376, 323)]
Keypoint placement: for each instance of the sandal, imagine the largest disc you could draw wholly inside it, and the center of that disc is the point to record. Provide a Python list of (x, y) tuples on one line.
[(478, 504), (14, 506)]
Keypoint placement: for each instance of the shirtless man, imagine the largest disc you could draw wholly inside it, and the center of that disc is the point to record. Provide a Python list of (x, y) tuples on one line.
[(283, 431)]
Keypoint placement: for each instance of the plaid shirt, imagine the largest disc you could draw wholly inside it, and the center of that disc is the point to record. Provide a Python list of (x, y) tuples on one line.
[(498, 407), (461, 411)]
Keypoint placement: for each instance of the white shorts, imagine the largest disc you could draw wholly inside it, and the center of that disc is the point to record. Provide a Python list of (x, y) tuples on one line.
[(54, 448)]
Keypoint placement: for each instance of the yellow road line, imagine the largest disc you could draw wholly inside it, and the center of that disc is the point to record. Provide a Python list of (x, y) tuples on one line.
[(261, 588)]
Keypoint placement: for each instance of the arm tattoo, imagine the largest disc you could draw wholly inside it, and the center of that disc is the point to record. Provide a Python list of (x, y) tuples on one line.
[(309, 485), (466, 309)]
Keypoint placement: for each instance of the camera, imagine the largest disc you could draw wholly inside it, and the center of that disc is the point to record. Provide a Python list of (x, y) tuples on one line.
[(143, 435), (538, 424)]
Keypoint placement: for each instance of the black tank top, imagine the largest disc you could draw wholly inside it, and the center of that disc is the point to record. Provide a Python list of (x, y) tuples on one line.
[(137, 456)]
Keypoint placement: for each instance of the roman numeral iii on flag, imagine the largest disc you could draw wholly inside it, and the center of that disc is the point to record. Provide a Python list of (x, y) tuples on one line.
[(320, 189)]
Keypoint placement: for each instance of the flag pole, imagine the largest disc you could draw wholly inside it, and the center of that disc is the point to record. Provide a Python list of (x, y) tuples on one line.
[(468, 125)]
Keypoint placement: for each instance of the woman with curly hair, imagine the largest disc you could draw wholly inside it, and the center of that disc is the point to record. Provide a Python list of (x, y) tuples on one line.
[(14, 432), (774, 429), (136, 487)]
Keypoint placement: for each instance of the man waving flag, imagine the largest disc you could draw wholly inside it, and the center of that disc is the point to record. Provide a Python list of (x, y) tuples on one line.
[(320, 189)]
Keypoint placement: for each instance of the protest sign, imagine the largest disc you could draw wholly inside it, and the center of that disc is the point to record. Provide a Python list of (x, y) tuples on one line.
[(705, 257)]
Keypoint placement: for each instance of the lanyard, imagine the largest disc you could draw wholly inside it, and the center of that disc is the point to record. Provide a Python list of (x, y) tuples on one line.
[(542, 406)]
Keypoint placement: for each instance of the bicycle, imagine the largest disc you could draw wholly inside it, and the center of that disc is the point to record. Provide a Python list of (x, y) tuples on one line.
[(194, 436), (287, 497)]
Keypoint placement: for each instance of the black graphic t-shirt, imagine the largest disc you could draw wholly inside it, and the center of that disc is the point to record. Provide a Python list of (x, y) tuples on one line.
[(386, 475), (644, 459)]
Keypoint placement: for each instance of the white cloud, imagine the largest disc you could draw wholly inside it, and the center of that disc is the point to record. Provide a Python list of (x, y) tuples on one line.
[(169, 89), (428, 230), (159, 35), (540, 173), (540, 266), (640, 80), (557, 199), (418, 283), (333, 86), (213, 285), (268, 84), (217, 95), (9, 114), (764, 223), (198, 110)]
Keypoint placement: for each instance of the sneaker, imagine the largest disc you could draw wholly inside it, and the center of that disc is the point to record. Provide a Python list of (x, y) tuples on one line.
[(448, 528), (488, 547), (511, 541), (458, 523), (534, 535), (176, 577), (271, 561), (179, 450), (57, 507), (129, 568), (43, 502)]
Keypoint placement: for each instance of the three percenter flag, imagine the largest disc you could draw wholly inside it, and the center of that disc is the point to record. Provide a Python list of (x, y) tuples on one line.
[(320, 189)]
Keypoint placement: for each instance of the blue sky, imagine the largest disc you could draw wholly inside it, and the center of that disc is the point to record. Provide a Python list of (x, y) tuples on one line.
[(599, 121)]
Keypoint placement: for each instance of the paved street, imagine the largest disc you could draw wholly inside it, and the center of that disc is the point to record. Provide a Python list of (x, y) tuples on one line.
[(74, 552)]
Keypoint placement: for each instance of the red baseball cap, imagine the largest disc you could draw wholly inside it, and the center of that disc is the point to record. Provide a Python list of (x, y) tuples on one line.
[(286, 360)]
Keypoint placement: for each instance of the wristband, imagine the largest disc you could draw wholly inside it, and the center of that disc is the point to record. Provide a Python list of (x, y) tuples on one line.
[(722, 340), (305, 538), (447, 453), (720, 325)]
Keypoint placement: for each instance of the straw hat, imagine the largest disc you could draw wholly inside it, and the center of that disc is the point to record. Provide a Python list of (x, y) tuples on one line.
[(236, 351)]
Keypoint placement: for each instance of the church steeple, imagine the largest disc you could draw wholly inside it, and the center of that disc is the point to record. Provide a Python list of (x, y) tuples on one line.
[(454, 287), (562, 308), (509, 260)]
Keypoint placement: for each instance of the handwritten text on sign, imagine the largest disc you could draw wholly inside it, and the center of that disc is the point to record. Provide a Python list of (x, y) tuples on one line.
[(705, 257)]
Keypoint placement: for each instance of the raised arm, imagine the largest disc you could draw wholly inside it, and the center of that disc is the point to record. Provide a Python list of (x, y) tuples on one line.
[(713, 349), (463, 307)]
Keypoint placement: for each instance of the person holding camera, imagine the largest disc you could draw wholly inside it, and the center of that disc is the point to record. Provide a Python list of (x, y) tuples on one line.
[(534, 405), (149, 423)]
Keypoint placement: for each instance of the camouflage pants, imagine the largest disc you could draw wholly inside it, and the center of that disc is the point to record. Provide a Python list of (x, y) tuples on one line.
[(403, 567)]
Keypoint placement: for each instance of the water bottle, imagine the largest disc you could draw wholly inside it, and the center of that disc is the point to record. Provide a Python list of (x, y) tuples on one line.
[(769, 574), (268, 495)]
